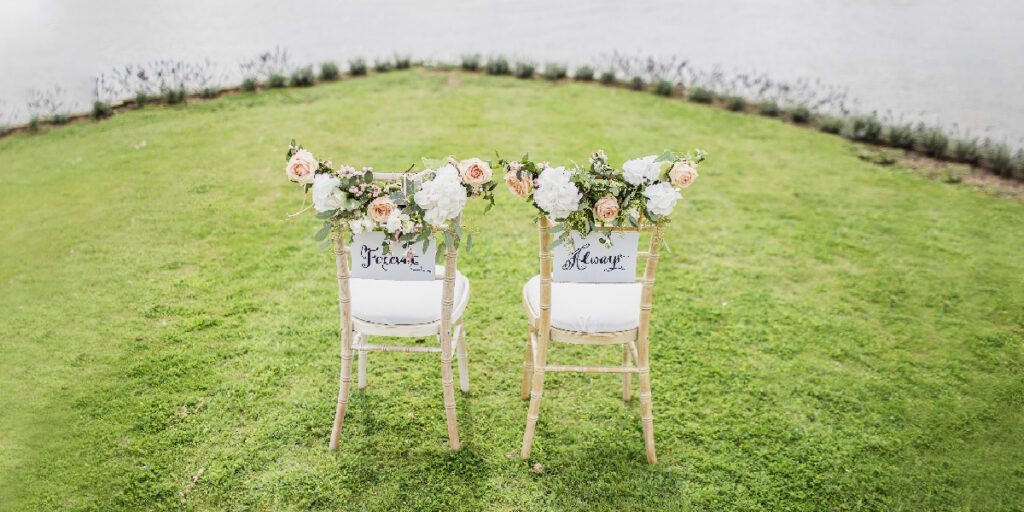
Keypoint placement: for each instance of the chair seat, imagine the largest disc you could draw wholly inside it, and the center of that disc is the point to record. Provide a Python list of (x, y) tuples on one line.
[(405, 302), (588, 307)]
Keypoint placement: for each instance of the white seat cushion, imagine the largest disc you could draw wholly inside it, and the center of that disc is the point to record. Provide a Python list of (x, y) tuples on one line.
[(589, 307), (405, 302)]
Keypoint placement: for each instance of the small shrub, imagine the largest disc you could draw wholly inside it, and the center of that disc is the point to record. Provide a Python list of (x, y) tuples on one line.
[(636, 83), (141, 98), (966, 151), (954, 173), (33, 125), (302, 77), (585, 73), (800, 114), (60, 119), (525, 69), (403, 61), (663, 88), (498, 66), (735, 103), (999, 159), (175, 96), (934, 142), (701, 95), (276, 81), (249, 84), (555, 71), (830, 124), (101, 110), (209, 92), (901, 136), (357, 67), (1019, 164), (866, 128), (607, 78), (329, 71), (471, 62), (768, 108), (382, 65)]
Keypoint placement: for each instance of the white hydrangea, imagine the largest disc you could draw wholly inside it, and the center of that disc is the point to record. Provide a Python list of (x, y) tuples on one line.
[(556, 194), (397, 221), (443, 197), (661, 198), (361, 224), (640, 170), (327, 194)]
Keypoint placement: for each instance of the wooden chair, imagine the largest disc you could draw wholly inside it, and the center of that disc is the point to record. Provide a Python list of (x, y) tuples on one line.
[(626, 322), (407, 311)]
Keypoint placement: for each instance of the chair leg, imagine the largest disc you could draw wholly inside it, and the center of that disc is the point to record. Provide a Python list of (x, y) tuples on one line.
[(362, 362), (647, 414), (460, 349), (535, 394), (448, 382), (527, 365), (626, 392), (343, 389)]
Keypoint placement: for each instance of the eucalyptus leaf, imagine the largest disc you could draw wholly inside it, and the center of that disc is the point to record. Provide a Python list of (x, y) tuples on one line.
[(448, 239), (556, 243), (324, 244), (368, 177), (469, 241), (324, 231), (326, 215)]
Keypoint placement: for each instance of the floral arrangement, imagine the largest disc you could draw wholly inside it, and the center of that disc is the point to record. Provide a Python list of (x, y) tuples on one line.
[(598, 197), (409, 211)]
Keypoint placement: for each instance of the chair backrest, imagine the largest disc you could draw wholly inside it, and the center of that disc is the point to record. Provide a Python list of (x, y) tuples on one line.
[(615, 264)]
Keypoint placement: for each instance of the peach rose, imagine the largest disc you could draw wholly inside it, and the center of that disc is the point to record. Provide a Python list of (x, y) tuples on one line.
[(474, 171), (518, 187), (682, 174), (380, 209), (302, 166), (606, 208)]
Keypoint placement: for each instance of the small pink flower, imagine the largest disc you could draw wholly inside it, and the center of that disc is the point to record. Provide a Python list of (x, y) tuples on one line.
[(606, 208), (302, 167), (353, 190), (683, 174)]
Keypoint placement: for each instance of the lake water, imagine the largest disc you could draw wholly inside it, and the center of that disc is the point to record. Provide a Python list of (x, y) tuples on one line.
[(940, 61)]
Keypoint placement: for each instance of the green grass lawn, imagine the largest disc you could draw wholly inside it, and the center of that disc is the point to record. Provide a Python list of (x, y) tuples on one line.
[(827, 334)]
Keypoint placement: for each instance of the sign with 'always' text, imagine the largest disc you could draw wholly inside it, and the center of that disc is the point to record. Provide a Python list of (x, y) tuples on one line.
[(370, 262), (587, 260)]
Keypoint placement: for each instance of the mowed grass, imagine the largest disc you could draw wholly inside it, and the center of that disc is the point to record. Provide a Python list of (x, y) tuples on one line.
[(827, 334)]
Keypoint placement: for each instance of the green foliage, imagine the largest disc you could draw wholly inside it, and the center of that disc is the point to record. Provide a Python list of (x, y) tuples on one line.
[(59, 119), (999, 159), (357, 66), (382, 65), (101, 110), (209, 92), (329, 71), (276, 81), (402, 61), (736, 103), (934, 142), (636, 83), (800, 114), (498, 66), (826, 334), (866, 129), (954, 173), (607, 77), (701, 95), (584, 73), (901, 136), (175, 96), (663, 88), (554, 71), (966, 151), (768, 108), (33, 125), (249, 84), (141, 98), (525, 69), (303, 77), (831, 124), (470, 62)]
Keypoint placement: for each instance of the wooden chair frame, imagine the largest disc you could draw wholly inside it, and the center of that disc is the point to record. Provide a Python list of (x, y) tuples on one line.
[(634, 341), (446, 328)]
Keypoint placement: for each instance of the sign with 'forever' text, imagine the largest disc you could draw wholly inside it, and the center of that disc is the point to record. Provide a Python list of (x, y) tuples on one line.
[(370, 262), (587, 260)]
